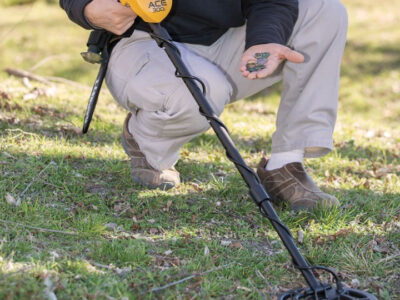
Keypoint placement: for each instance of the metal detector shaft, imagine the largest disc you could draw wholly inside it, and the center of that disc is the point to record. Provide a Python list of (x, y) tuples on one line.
[(94, 96), (257, 191)]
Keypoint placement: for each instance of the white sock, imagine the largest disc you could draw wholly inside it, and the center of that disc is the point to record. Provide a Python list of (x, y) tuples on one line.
[(278, 160)]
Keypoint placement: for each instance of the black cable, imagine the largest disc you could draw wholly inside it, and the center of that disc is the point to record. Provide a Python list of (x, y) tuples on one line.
[(339, 285), (168, 42), (276, 221), (203, 86)]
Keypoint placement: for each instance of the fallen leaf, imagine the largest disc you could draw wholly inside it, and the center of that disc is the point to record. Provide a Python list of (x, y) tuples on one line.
[(244, 288), (169, 203), (135, 227), (355, 283), (70, 130), (51, 91), (236, 245), (168, 252), (194, 285), (54, 254), (300, 236), (370, 134), (194, 217), (382, 172), (379, 249), (220, 173), (186, 236), (123, 272), (342, 232), (111, 226), (321, 239), (95, 189), (226, 243), (40, 110), (196, 187), (153, 230), (27, 82), (11, 200), (5, 95), (206, 251), (166, 261), (5, 105), (31, 96)]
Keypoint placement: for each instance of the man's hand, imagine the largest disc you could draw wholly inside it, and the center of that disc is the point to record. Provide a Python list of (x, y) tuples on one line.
[(278, 54), (110, 15)]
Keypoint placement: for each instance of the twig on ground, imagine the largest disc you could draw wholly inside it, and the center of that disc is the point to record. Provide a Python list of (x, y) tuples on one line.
[(44, 79), (38, 228), (26, 74), (33, 179), (102, 266), (8, 155), (155, 290), (22, 132)]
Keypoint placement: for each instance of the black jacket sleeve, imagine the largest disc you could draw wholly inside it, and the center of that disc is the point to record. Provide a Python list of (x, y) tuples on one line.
[(75, 11), (270, 21)]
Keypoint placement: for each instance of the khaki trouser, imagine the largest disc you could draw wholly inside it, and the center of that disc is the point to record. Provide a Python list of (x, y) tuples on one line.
[(165, 116)]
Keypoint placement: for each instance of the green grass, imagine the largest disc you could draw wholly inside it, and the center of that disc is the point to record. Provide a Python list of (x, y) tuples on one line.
[(117, 240)]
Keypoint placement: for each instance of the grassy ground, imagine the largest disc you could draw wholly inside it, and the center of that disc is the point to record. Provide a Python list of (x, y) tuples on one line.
[(113, 240)]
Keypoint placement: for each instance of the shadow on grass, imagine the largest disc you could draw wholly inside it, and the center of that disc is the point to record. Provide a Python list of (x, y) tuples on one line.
[(56, 129), (44, 125), (251, 144)]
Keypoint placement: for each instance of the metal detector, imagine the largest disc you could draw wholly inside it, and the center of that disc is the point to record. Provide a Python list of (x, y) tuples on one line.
[(153, 12)]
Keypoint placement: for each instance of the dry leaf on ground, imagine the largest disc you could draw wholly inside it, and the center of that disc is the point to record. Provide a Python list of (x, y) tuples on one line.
[(12, 201)]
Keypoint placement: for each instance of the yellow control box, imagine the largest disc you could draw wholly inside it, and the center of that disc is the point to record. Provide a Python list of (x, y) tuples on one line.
[(150, 11)]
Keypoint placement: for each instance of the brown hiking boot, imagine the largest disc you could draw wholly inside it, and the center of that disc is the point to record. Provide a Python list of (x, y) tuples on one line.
[(291, 184), (141, 171)]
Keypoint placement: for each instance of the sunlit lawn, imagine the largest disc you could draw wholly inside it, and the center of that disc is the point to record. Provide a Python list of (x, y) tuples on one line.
[(73, 225)]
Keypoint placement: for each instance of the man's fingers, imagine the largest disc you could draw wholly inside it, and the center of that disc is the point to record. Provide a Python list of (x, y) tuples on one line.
[(243, 62), (271, 66), (245, 73), (252, 75), (293, 56)]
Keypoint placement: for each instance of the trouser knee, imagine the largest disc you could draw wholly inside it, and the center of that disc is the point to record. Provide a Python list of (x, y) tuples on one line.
[(185, 111)]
